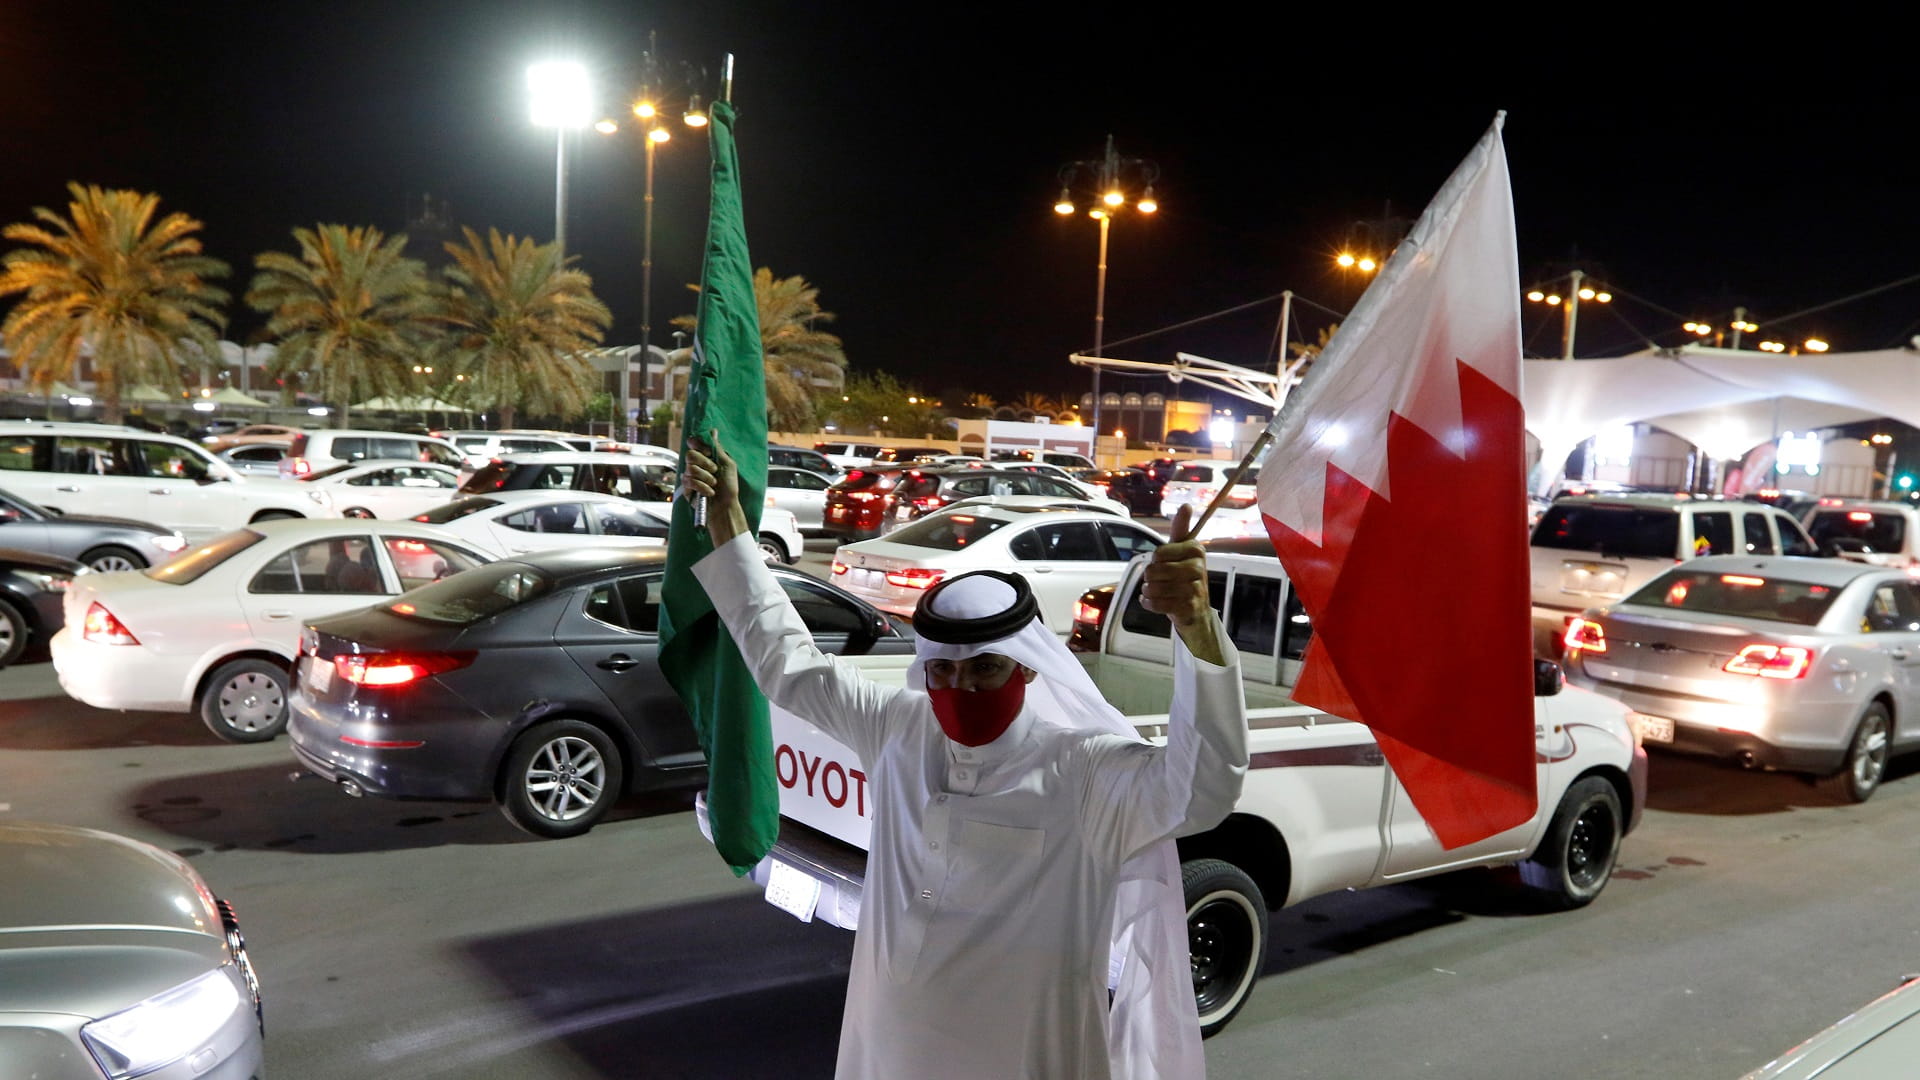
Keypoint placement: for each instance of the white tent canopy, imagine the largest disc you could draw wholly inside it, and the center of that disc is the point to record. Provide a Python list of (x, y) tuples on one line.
[(1724, 401)]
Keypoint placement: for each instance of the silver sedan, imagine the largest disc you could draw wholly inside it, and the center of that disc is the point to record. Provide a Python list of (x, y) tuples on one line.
[(1804, 665)]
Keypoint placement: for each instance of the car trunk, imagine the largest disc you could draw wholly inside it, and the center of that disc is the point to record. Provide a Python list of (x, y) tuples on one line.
[(869, 565), (371, 631), (1672, 653)]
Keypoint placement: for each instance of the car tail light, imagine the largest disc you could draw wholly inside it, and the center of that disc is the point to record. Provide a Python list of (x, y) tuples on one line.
[(397, 669), (929, 502), (299, 466), (103, 628), (1086, 613), (862, 496), (840, 567), (915, 577), (1859, 515), (1236, 502), (1771, 661), (1585, 634)]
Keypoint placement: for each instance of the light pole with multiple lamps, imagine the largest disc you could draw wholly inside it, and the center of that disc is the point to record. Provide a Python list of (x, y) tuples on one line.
[(1110, 179), (1579, 287)]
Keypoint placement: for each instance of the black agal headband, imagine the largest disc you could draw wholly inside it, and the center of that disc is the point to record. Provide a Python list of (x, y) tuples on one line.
[(947, 630)]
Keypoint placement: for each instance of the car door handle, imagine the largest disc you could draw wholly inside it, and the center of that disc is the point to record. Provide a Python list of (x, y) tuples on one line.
[(277, 615), (160, 491), (1043, 569), (618, 662), (1897, 654), (66, 487)]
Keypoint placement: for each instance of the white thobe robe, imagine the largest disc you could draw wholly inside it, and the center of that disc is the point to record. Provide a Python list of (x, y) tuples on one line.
[(983, 943)]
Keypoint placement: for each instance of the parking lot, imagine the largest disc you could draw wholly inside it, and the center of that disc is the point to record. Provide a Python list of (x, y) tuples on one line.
[(435, 940)]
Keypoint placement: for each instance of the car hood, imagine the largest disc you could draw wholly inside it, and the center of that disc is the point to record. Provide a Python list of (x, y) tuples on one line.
[(61, 876), (118, 523), (35, 560), (97, 971)]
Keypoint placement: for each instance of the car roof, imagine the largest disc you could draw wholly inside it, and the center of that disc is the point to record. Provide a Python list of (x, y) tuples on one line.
[(578, 457), (310, 432), (515, 496), (1671, 499), (1884, 506), (1026, 513), (1831, 572), (318, 528)]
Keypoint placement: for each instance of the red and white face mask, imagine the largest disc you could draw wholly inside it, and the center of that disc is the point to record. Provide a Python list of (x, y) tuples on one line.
[(977, 717)]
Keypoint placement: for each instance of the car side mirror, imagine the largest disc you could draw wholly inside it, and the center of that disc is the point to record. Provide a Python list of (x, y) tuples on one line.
[(1547, 678)]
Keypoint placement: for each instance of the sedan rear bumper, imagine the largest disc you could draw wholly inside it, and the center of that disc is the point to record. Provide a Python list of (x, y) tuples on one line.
[(1788, 732), (119, 676), (443, 766)]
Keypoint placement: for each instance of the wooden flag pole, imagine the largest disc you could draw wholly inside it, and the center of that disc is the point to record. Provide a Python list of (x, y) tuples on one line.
[(1259, 445), (726, 95)]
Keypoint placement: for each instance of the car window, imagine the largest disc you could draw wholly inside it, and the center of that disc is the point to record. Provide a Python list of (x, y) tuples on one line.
[(338, 565), (436, 454), (1793, 538), (350, 448), (456, 510), (616, 519), (1713, 533), (1881, 532), (1892, 607), (258, 453), (1747, 595), (421, 562), (823, 613), (464, 599), (375, 478), (93, 456), (556, 518), (1136, 619), (1759, 540), (26, 453), (172, 461), (1072, 541), (189, 565), (946, 532), (1193, 474), (1055, 488), (1128, 541), (608, 478), (630, 603), (419, 476), (553, 477), (1297, 630), (1619, 531), (1253, 616)]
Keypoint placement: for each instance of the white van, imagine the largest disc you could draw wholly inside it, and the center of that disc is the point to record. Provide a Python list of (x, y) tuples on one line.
[(319, 448)]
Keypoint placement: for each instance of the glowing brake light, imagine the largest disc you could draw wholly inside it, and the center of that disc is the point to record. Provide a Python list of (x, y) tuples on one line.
[(1771, 661), (1859, 515), (840, 567), (386, 670), (1585, 634), (1741, 579), (1084, 612), (103, 628), (915, 577), (1830, 502), (300, 466)]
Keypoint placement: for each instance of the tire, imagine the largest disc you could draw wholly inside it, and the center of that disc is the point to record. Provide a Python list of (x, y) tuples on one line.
[(1576, 857), (1226, 937), (774, 548), (271, 515), (15, 630), (1867, 753), (108, 558), (245, 701), (549, 806), (357, 512)]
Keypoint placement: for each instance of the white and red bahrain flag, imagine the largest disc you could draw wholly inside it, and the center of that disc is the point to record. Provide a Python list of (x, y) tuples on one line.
[(1395, 495)]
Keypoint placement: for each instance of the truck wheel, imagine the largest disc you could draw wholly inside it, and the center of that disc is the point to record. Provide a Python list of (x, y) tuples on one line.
[(245, 701), (1575, 858), (1867, 754), (559, 779), (1226, 936)]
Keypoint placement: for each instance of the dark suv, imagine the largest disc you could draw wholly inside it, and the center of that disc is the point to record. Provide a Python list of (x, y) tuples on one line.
[(639, 478)]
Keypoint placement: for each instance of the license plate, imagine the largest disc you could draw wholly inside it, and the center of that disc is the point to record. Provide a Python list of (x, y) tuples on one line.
[(1652, 728), (318, 674), (792, 891), (836, 513)]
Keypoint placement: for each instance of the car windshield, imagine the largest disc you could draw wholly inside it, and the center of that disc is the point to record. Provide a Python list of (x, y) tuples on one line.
[(946, 532), (456, 509), (1622, 531), (1748, 596), (473, 595), (868, 480), (1880, 532), (489, 477), (188, 567)]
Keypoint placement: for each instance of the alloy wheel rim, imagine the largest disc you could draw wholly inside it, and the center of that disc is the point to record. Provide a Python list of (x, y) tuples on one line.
[(6, 635), (1872, 759), (251, 702), (108, 564), (565, 778)]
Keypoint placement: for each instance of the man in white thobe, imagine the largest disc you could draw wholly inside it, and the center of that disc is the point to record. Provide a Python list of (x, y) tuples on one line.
[(1022, 915)]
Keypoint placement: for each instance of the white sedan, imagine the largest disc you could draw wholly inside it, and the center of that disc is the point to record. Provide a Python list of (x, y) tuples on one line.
[(1062, 553), (385, 489), (800, 492), (217, 630), (509, 523)]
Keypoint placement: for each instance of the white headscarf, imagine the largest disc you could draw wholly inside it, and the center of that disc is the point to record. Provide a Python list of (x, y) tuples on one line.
[(1153, 1027)]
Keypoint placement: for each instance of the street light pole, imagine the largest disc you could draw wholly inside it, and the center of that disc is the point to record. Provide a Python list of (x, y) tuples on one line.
[(635, 416), (560, 189), (1573, 316), (1100, 317), (562, 99), (1110, 197)]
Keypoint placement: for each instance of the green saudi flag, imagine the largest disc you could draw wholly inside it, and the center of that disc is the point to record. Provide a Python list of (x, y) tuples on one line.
[(727, 397)]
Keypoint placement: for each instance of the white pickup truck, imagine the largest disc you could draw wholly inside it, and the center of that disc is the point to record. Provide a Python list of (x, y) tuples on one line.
[(1320, 812)]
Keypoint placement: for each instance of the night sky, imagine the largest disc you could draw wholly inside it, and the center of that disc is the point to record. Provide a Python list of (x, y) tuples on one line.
[(903, 158)]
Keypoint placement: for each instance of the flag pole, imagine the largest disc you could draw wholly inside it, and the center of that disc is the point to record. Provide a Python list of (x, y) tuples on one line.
[(726, 95), (1254, 451)]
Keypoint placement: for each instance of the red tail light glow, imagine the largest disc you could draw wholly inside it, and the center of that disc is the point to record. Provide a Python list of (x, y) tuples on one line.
[(101, 627), (1771, 661), (1585, 634), (300, 466), (1859, 515), (915, 577), (840, 567), (1741, 579), (862, 496), (385, 670), (1084, 612)]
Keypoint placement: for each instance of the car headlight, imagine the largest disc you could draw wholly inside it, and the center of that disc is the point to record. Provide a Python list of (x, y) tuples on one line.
[(164, 1028), (169, 543), (49, 582)]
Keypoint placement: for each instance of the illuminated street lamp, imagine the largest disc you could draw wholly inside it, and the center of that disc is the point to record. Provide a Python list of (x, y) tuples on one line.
[(562, 99), (1578, 289), (1111, 178), (1814, 344), (1773, 346)]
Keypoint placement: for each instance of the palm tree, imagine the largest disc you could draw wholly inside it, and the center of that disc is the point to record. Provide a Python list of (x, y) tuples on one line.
[(795, 354), (108, 279), (518, 318), (350, 309), (1037, 404)]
